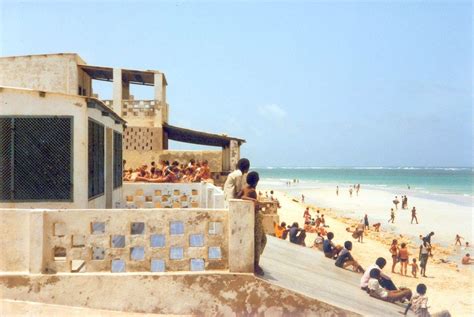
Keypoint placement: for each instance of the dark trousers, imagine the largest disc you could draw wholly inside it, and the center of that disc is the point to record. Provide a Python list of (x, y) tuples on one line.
[(387, 284)]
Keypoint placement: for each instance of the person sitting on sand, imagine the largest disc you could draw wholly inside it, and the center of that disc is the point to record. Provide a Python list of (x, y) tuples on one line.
[(403, 256), (466, 260), (297, 235), (419, 304), (384, 280), (318, 242), (330, 250), (413, 215), (376, 290), (458, 239), (309, 228), (414, 268), (345, 259), (280, 229), (376, 226), (394, 251)]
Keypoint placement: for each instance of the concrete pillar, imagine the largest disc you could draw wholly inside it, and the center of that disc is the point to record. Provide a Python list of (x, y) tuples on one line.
[(159, 84), (234, 154), (241, 236), (118, 91), (226, 159), (36, 252)]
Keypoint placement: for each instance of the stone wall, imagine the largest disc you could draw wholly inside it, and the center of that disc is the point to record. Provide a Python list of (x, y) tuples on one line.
[(172, 195), (203, 294), (124, 240)]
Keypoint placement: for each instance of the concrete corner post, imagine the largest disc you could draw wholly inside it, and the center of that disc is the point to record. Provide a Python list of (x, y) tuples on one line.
[(117, 90), (241, 236), (36, 253)]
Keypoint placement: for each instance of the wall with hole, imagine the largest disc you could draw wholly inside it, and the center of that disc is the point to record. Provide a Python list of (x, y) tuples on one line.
[(125, 240), (172, 195)]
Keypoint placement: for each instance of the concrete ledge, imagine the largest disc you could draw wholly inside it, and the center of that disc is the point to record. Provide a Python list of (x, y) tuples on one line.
[(177, 294)]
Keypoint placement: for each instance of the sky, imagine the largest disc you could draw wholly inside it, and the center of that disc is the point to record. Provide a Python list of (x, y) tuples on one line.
[(306, 83)]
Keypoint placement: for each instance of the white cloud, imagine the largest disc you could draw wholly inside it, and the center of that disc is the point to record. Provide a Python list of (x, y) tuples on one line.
[(272, 110)]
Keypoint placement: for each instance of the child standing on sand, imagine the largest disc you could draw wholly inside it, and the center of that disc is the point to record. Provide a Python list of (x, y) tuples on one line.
[(414, 268), (392, 216)]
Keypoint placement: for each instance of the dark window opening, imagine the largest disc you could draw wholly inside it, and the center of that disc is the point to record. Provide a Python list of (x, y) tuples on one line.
[(96, 159), (36, 159), (118, 160)]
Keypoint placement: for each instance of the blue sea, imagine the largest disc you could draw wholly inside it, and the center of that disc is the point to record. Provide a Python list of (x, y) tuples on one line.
[(441, 181)]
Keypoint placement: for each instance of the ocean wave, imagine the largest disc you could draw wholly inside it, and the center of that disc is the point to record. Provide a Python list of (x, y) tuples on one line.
[(366, 168)]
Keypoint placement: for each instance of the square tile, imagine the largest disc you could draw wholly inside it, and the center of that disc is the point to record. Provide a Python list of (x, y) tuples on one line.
[(78, 240), (176, 253), (59, 254), (78, 266), (214, 253), (176, 227), (157, 265), (137, 228), (137, 253), (197, 265), (196, 240), (157, 240), (118, 266), (98, 227), (215, 227), (98, 253), (118, 241)]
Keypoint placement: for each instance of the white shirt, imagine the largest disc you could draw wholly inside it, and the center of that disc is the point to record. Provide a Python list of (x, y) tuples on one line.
[(232, 185), (364, 280), (374, 286)]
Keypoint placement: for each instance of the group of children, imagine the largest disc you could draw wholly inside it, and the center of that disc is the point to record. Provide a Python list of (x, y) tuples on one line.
[(401, 255), (166, 172)]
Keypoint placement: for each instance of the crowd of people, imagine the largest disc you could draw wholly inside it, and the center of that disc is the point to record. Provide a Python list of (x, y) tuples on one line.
[(166, 172)]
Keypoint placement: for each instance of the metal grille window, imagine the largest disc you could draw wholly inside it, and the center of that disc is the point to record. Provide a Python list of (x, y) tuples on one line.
[(96, 159), (117, 160), (36, 158)]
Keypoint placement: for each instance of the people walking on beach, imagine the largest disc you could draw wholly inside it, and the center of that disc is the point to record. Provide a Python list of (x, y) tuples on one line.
[(357, 189), (423, 256), (302, 198), (414, 267), (350, 191), (419, 304), (394, 251), (250, 193), (236, 180), (366, 222), (403, 256), (392, 216), (337, 190), (396, 202), (458, 239), (413, 215)]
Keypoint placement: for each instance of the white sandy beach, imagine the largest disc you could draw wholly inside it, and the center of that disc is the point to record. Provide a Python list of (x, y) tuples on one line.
[(450, 285)]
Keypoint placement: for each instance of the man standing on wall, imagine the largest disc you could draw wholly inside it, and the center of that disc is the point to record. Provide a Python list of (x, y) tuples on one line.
[(236, 181)]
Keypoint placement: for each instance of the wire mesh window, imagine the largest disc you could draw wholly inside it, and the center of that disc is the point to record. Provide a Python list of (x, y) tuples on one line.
[(36, 158), (96, 159), (117, 160)]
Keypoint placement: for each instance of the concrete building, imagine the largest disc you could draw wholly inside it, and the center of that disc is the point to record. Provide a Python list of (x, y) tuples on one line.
[(148, 129)]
